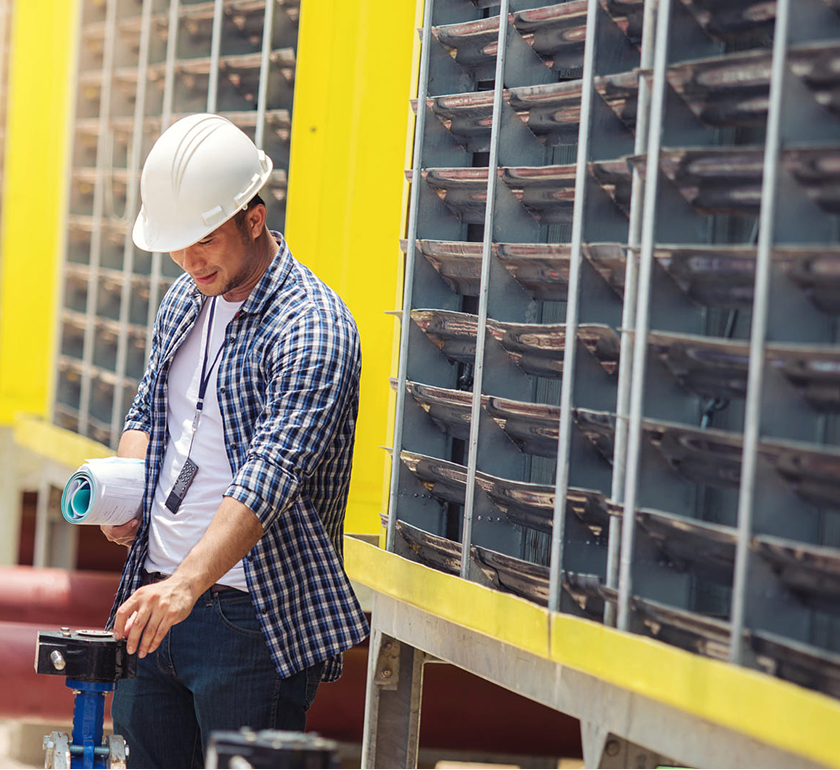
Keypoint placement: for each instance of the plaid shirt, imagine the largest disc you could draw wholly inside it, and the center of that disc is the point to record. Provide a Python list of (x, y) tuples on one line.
[(288, 391)]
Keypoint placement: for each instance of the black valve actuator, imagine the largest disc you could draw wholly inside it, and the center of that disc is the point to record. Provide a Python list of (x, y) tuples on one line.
[(85, 656)]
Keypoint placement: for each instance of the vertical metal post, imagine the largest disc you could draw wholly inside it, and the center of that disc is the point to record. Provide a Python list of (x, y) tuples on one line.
[(55, 540), (103, 162), (43, 526), (165, 119), (215, 49), (758, 330), (408, 280), (131, 208), (173, 32), (643, 312), (10, 505), (265, 72), (486, 255), (628, 312), (572, 310), (68, 184), (10, 508), (393, 703)]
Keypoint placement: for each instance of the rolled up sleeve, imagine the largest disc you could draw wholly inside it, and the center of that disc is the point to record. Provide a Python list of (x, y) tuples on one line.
[(312, 386)]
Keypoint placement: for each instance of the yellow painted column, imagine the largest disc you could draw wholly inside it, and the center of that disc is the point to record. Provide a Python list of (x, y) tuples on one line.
[(347, 195), (40, 91), (38, 102)]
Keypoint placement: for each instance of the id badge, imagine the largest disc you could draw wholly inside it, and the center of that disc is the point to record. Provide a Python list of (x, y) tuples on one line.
[(182, 484)]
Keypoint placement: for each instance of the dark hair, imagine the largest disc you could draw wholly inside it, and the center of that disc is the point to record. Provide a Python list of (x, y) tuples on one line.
[(239, 216)]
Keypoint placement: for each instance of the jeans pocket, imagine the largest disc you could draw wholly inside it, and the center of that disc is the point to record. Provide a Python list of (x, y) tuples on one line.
[(237, 613)]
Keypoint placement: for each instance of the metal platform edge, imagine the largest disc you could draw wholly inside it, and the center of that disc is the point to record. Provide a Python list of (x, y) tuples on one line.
[(689, 709)]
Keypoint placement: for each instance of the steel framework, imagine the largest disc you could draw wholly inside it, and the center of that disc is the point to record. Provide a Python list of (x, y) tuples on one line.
[(617, 392)]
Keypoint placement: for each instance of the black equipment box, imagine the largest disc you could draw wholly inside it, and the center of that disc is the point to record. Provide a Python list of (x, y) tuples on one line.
[(86, 656), (270, 749)]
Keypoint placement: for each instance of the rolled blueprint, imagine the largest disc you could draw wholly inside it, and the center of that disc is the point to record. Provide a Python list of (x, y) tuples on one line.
[(104, 491)]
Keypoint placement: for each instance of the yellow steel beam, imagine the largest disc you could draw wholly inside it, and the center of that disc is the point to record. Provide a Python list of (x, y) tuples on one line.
[(503, 616), (346, 195), (40, 89), (770, 710), (57, 444)]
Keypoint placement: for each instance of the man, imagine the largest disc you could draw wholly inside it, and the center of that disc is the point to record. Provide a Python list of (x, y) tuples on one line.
[(233, 593)]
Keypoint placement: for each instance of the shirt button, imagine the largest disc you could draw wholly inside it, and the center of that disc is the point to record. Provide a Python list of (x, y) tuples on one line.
[(223, 389)]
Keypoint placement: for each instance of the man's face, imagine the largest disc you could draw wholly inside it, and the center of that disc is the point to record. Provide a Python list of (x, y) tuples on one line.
[(224, 262)]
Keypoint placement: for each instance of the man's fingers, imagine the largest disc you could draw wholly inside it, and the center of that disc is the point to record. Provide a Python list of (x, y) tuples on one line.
[(153, 636), (143, 621), (123, 534), (130, 622), (137, 627), (125, 617)]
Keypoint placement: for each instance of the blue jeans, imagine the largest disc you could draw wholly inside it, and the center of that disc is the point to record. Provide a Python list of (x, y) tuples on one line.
[(211, 672)]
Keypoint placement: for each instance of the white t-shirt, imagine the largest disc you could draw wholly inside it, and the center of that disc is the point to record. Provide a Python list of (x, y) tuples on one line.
[(172, 535)]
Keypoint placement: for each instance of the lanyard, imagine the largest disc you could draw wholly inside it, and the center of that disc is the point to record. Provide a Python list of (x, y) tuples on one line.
[(205, 372)]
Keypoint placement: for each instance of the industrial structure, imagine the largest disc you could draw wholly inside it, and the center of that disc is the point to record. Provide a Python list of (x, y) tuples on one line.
[(610, 402)]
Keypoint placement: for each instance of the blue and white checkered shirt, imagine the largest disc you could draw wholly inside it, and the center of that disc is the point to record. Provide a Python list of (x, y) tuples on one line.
[(288, 391)]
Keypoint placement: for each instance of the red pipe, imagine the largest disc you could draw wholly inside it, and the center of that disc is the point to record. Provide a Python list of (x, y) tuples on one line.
[(23, 693), (40, 599), (56, 597)]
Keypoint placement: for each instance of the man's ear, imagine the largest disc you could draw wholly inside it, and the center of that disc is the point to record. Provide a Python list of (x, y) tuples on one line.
[(255, 220)]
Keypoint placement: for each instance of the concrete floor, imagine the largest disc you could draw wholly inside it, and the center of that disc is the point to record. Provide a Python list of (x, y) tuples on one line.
[(21, 743)]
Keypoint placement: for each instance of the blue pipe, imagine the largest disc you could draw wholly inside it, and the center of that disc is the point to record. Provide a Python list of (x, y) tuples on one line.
[(86, 750)]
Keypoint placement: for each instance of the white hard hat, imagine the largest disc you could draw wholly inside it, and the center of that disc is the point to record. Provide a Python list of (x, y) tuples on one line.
[(199, 173)]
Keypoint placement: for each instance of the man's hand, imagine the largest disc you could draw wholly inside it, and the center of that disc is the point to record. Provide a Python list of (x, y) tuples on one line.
[(144, 619), (124, 534), (150, 612), (133, 443)]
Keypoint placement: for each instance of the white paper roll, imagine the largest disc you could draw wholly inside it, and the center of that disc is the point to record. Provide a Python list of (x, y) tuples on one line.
[(104, 491)]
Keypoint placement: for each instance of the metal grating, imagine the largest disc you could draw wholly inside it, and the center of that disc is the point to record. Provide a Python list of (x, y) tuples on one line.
[(142, 65), (618, 390)]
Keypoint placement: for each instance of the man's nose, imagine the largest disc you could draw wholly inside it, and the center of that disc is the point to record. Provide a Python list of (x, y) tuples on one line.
[(189, 259)]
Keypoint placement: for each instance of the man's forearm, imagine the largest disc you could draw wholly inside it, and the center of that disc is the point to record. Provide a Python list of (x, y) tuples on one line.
[(133, 443), (233, 532)]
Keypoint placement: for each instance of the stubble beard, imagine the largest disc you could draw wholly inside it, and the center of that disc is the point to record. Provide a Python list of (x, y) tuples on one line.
[(244, 274)]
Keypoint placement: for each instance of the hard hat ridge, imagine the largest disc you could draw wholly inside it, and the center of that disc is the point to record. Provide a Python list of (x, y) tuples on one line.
[(185, 152), (199, 173)]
